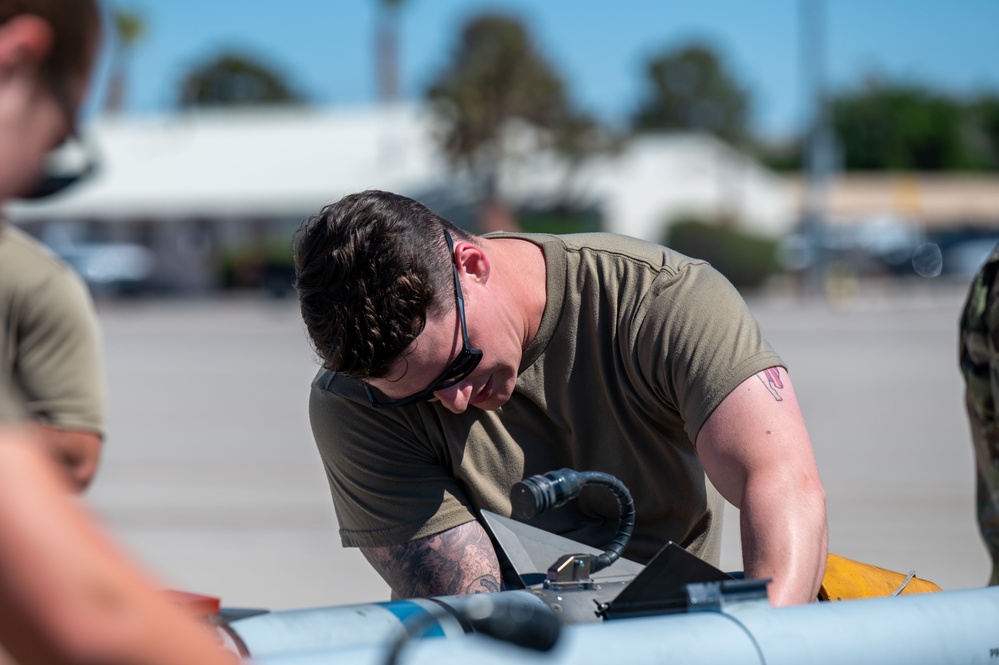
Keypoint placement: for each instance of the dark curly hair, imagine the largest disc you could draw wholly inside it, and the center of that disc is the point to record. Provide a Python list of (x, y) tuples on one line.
[(370, 268)]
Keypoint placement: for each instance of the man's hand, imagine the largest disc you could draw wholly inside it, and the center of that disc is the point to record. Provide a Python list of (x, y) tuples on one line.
[(75, 451), (756, 451), (455, 562)]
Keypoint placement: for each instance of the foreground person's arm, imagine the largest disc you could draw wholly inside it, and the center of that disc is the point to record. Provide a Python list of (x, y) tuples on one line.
[(67, 594), (76, 451)]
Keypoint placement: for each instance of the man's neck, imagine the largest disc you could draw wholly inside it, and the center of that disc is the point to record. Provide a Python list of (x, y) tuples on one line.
[(521, 265)]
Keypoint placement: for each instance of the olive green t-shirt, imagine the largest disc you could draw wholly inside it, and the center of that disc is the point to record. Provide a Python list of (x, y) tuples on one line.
[(11, 410), (637, 346), (49, 339)]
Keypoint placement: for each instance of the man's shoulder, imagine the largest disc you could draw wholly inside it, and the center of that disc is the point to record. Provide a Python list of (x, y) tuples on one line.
[(613, 245), (335, 407), (609, 246), (988, 273), (982, 294), (28, 261), (993, 256), (333, 385), (323, 379)]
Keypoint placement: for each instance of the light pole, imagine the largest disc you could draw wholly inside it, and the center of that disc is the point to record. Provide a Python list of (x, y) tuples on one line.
[(820, 151)]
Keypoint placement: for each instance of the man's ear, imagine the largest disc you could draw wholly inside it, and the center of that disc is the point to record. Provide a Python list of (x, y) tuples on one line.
[(472, 260), (25, 41)]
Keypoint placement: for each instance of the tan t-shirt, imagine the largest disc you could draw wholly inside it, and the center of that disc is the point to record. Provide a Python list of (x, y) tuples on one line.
[(49, 340), (637, 346), (11, 410)]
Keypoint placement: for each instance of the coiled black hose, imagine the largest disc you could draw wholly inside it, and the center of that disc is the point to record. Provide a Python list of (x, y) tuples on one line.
[(536, 495)]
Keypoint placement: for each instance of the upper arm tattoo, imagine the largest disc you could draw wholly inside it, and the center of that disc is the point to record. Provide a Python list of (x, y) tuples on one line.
[(455, 562), (770, 378)]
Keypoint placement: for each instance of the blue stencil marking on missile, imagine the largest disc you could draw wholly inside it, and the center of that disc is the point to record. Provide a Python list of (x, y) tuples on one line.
[(405, 610)]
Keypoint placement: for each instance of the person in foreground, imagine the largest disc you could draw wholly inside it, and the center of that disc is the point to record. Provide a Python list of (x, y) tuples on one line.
[(51, 351), (979, 361), (455, 365), (68, 595), (50, 346)]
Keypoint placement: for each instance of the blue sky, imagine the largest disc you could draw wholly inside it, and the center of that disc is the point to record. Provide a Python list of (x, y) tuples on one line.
[(326, 47)]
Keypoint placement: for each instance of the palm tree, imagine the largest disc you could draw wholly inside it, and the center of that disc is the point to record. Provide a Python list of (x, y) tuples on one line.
[(129, 28), (236, 79), (496, 75)]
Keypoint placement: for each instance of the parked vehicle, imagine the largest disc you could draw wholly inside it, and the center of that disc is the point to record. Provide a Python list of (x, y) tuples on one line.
[(110, 268)]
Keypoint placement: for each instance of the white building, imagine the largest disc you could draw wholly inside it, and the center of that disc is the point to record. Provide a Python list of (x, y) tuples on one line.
[(187, 184)]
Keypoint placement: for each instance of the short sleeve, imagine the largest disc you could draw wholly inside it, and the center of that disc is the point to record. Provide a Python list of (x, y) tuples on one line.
[(11, 409), (58, 366), (698, 341)]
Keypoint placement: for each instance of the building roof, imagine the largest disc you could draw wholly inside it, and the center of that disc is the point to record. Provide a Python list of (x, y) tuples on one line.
[(244, 163), (933, 201), (288, 163)]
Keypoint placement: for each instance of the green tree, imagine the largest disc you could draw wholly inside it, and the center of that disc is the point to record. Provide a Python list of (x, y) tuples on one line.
[(747, 259), (689, 89), (129, 29), (985, 114), (234, 79), (498, 76), (903, 127)]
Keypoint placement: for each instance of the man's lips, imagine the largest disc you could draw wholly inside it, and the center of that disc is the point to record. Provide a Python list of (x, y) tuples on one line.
[(484, 393)]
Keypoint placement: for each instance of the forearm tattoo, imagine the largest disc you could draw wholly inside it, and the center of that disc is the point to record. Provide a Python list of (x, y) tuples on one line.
[(456, 562), (770, 378)]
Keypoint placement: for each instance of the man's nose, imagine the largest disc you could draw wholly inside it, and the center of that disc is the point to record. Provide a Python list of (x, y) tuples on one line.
[(455, 399)]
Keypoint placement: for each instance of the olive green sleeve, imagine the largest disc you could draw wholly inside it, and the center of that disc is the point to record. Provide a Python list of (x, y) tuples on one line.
[(58, 366), (698, 341), (11, 410)]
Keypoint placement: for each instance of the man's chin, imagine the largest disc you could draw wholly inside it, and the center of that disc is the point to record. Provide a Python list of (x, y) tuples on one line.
[(489, 398), (482, 398)]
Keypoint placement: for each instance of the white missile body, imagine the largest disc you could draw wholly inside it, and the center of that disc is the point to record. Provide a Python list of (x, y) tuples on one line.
[(935, 628)]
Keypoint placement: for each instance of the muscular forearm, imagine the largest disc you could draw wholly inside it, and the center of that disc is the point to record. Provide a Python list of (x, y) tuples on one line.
[(456, 562), (784, 537)]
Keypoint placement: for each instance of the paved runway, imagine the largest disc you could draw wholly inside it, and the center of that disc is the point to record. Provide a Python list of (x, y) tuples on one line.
[(211, 478)]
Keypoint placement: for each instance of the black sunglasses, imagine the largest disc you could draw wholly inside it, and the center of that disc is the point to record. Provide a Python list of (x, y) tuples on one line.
[(463, 365)]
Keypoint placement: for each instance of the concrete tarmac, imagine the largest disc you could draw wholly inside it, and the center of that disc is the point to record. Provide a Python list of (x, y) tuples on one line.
[(210, 476)]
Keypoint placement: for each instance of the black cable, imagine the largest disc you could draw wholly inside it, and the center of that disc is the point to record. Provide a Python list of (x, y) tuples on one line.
[(626, 517), (538, 494), (528, 626)]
